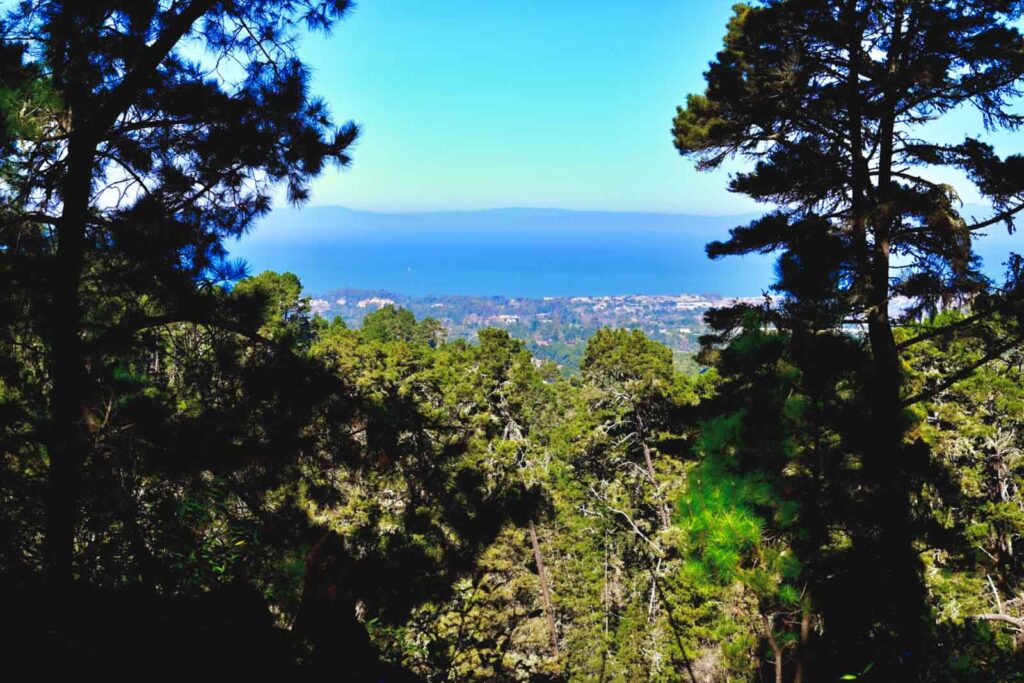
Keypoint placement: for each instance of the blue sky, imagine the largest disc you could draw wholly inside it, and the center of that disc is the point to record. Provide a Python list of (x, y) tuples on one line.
[(469, 104)]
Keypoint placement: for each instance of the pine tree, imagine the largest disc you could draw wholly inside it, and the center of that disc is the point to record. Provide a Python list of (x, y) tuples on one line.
[(156, 151), (830, 100)]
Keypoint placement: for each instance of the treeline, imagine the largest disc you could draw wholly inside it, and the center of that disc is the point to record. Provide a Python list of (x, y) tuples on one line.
[(384, 502)]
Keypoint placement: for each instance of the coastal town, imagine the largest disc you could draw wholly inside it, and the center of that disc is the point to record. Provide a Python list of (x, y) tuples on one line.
[(554, 328)]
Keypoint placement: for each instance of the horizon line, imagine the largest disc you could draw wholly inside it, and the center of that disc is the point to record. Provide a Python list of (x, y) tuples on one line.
[(552, 209), (437, 295), (493, 209)]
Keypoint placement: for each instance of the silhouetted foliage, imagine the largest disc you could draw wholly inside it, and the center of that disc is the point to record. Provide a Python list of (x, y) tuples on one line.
[(830, 102)]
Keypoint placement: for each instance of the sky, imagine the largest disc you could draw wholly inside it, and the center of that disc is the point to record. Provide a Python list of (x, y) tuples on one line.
[(471, 104)]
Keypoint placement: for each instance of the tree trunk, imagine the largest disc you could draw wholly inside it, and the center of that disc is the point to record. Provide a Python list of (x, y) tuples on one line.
[(544, 594), (676, 630), (897, 606), (662, 507), (805, 637), (776, 650), (66, 444), (605, 595)]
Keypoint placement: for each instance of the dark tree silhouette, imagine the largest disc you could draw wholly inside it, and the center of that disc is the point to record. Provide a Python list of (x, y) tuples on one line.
[(167, 127), (831, 100)]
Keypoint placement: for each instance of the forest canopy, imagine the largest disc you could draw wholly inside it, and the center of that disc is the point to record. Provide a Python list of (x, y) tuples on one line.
[(197, 472)]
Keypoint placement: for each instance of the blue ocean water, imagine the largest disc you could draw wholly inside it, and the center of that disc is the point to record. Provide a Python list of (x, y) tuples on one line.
[(508, 252), (516, 252)]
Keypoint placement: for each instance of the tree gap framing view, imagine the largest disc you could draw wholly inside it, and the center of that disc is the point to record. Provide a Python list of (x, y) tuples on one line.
[(746, 407)]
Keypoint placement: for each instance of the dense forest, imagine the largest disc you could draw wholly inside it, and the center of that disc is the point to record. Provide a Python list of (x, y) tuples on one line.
[(199, 475)]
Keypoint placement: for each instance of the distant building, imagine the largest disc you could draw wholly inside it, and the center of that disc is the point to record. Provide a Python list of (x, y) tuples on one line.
[(693, 304), (375, 302)]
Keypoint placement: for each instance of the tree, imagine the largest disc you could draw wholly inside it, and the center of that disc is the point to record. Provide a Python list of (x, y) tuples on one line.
[(157, 152), (974, 579), (620, 557), (432, 477), (389, 323), (640, 392), (285, 312), (831, 100), (615, 602)]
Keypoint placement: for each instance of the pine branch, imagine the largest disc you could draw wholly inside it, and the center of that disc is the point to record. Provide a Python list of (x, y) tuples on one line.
[(998, 218), (963, 373), (1016, 622), (944, 330), (122, 95)]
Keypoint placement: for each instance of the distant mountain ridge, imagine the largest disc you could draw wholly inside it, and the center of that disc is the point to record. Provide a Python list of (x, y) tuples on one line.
[(333, 221)]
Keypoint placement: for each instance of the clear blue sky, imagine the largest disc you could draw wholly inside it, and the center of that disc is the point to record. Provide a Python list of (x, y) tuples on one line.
[(546, 103), (471, 104)]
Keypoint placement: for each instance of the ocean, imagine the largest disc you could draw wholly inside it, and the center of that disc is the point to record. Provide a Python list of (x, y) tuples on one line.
[(507, 252), (514, 252)]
